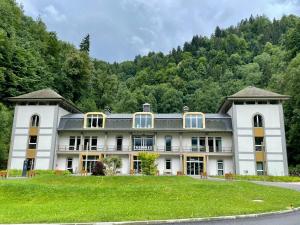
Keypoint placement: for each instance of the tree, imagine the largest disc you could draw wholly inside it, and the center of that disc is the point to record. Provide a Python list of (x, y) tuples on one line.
[(149, 167), (85, 44), (5, 127), (112, 163)]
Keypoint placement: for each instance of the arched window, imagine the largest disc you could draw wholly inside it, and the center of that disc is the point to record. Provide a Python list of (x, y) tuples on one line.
[(143, 120), (258, 121), (194, 120), (94, 120), (35, 121)]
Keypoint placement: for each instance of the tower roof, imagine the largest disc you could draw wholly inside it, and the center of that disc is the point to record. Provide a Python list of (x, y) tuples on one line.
[(45, 95), (254, 92), (250, 93)]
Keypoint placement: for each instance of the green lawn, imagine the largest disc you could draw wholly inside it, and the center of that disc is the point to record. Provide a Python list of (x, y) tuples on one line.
[(266, 178), (88, 199)]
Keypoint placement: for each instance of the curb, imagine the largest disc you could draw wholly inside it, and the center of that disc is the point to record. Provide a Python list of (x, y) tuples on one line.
[(218, 218)]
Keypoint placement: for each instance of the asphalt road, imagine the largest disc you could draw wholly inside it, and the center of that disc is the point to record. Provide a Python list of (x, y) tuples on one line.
[(292, 218)]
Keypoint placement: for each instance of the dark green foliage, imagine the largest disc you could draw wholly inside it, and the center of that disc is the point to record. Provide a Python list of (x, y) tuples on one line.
[(200, 74), (99, 169), (85, 44)]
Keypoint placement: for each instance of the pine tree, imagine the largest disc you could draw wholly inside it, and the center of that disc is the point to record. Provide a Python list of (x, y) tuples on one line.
[(85, 44)]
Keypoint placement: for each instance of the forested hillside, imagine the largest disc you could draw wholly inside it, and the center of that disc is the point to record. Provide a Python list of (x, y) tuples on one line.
[(257, 51)]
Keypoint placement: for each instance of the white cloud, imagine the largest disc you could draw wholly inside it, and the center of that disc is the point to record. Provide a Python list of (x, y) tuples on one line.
[(51, 12)]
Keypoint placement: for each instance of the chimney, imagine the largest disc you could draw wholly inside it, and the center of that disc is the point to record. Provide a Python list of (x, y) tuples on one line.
[(107, 110), (146, 107), (185, 109)]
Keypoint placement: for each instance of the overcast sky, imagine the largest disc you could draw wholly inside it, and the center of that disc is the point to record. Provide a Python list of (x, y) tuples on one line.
[(122, 29)]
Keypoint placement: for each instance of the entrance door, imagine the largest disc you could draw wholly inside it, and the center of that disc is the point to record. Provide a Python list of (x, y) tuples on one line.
[(194, 165)]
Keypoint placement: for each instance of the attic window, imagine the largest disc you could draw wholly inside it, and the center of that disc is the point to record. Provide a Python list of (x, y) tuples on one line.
[(94, 120), (194, 120), (143, 120)]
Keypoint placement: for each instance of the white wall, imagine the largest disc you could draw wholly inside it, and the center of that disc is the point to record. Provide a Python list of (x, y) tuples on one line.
[(212, 165), (175, 164)]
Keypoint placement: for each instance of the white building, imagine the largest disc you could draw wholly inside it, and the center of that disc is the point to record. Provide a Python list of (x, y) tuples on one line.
[(245, 137)]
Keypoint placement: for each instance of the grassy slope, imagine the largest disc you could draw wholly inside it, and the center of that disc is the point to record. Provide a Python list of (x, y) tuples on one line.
[(82, 199)]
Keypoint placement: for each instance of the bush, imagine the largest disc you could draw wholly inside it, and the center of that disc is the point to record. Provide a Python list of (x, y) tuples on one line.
[(149, 167), (112, 163), (99, 169), (294, 170)]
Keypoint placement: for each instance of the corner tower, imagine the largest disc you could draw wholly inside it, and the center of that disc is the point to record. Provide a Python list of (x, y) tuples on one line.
[(258, 131), (34, 132)]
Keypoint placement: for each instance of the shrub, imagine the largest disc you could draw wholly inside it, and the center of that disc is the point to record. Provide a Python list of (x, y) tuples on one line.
[(99, 169), (112, 163), (149, 167), (294, 170)]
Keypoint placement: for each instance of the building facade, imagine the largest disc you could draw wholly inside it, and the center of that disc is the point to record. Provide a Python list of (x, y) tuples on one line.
[(245, 137)]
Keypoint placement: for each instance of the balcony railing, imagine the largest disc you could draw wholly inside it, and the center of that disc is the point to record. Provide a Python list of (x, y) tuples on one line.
[(124, 148)]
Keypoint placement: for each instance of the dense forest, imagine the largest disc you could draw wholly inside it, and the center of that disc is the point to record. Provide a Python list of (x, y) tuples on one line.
[(257, 51)]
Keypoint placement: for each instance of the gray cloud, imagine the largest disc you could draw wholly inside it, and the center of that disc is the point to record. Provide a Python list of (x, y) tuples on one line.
[(122, 29)]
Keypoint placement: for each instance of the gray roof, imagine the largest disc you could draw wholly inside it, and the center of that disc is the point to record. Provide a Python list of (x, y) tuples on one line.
[(40, 94), (45, 95), (162, 122), (250, 93), (254, 92)]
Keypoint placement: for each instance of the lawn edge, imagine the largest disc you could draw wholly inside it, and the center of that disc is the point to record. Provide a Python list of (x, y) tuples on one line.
[(215, 218)]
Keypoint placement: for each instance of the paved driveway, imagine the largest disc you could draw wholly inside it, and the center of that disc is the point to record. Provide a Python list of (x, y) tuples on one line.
[(293, 186), (292, 218)]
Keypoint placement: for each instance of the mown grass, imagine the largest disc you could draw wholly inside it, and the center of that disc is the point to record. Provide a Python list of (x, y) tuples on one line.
[(266, 178), (51, 198)]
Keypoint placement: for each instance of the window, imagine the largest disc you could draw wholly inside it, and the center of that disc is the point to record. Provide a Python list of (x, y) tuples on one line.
[(70, 164), (119, 143), (168, 140), (260, 168), (258, 121), (32, 142), (143, 143), (259, 143), (168, 164), (143, 120), (198, 144), (218, 144), (90, 143), (95, 121), (74, 142), (194, 120), (35, 120), (89, 162), (211, 144), (220, 167), (137, 164)]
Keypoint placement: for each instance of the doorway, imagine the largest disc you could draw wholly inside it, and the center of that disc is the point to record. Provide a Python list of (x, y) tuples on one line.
[(194, 165)]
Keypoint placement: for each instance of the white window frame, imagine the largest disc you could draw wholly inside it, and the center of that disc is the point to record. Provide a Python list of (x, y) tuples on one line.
[(35, 120), (220, 162), (262, 171), (193, 118), (138, 120), (168, 161), (32, 143)]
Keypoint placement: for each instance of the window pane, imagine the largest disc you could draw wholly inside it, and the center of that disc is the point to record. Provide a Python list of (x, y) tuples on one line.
[(119, 143), (202, 144), (199, 121), (259, 143), (211, 144), (89, 122), (72, 143), (94, 122), (143, 121), (194, 143), (78, 143), (168, 143), (137, 121), (194, 121), (187, 121), (100, 121), (168, 164), (218, 144)]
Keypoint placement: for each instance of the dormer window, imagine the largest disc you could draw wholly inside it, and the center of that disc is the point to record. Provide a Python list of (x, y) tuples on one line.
[(143, 120), (94, 120), (194, 120), (35, 120)]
